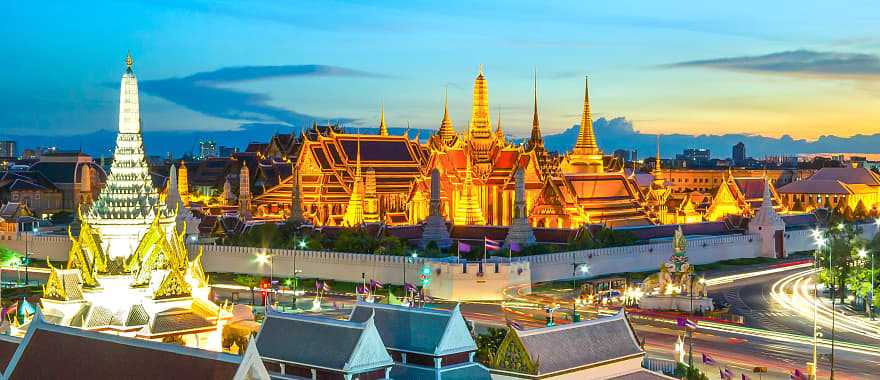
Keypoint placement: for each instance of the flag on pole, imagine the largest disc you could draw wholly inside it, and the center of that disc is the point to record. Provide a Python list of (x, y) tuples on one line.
[(798, 375), (325, 286), (687, 323), (318, 285), (491, 245), (463, 247), (726, 374), (376, 284), (708, 359), (409, 288), (515, 247)]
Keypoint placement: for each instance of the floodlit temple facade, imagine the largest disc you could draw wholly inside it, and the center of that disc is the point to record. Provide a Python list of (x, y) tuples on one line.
[(128, 271), (349, 179)]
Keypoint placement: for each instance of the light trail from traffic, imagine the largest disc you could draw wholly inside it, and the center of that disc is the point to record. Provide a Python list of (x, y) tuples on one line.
[(801, 301), (731, 278)]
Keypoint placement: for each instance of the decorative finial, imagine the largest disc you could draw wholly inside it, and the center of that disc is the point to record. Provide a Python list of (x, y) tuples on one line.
[(129, 61), (481, 69)]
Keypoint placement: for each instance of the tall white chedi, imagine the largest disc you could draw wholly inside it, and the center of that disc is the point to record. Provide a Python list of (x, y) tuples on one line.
[(128, 202)]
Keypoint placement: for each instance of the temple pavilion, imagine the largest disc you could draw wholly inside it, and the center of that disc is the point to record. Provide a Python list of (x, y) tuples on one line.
[(128, 271)]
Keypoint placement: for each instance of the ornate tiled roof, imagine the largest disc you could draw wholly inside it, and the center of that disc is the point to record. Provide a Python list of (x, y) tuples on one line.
[(561, 347), (109, 357), (336, 345), (425, 331)]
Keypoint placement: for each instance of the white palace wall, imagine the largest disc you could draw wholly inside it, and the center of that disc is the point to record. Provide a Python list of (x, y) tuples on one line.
[(390, 269)]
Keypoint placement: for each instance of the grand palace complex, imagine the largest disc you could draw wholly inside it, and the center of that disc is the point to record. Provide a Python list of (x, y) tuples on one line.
[(335, 178)]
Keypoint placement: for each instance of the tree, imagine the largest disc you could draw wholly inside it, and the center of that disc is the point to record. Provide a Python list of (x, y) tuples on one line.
[(860, 212), (843, 242), (355, 240), (488, 343), (249, 281), (390, 245)]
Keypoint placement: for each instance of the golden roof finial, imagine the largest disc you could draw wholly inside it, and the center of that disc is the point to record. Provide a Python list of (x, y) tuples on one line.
[(129, 61), (383, 129), (481, 69)]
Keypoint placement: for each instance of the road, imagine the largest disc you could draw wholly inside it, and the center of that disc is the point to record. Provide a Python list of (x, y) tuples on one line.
[(773, 335)]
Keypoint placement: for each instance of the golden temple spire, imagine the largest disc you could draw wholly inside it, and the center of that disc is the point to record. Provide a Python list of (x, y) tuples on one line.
[(499, 133), (480, 129), (129, 61), (586, 142), (536, 140), (586, 156), (447, 131), (383, 129), (658, 170)]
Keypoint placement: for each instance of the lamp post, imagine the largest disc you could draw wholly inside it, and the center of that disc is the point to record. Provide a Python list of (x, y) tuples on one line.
[(820, 242), (869, 306), (27, 255), (265, 258), (833, 306), (584, 269), (412, 257)]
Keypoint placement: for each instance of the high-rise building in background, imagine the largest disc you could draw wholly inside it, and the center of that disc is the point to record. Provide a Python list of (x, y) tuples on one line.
[(207, 148), (7, 148), (739, 153), (694, 157)]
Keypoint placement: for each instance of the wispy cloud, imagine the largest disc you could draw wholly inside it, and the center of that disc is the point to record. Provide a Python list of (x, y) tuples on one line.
[(200, 92), (801, 62)]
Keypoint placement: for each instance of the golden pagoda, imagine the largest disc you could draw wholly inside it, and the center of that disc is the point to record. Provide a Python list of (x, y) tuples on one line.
[(354, 213), (586, 157), (468, 210)]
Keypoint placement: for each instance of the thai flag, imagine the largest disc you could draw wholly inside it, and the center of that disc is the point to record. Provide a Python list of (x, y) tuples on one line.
[(376, 284), (708, 359), (462, 247), (687, 323), (726, 374), (325, 286), (409, 288), (515, 247), (318, 285), (491, 245)]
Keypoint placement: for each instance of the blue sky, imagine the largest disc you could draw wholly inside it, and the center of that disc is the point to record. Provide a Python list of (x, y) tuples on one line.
[(669, 67)]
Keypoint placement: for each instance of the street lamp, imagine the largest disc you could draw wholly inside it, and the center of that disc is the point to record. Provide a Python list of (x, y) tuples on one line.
[(584, 269), (820, 242), (412, 258), (264, 258), (863, 253)]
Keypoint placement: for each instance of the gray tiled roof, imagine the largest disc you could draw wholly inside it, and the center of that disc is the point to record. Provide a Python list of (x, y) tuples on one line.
[(137, 316), (417, 329), (178, 321), (569, 346), (318, 342)]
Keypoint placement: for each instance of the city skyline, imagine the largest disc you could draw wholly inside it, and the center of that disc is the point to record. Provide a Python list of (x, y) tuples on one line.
[(690, 73)]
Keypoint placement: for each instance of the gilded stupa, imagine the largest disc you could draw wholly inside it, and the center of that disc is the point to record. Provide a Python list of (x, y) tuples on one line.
[(129, 203), (128, 272)]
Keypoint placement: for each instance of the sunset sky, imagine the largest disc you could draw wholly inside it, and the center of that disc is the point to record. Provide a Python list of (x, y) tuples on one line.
[(669, 67)]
